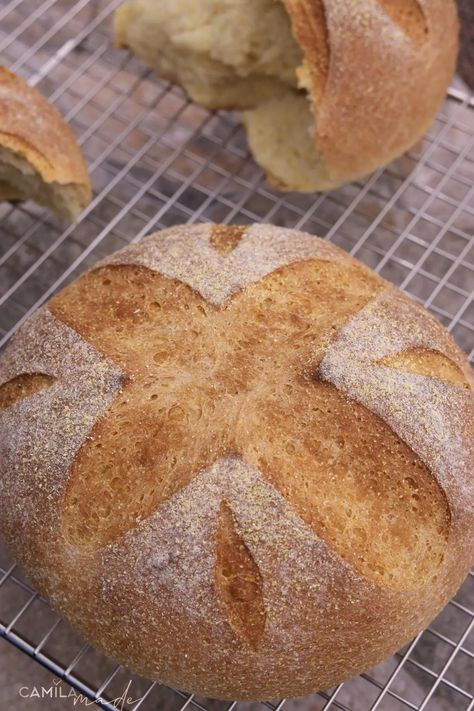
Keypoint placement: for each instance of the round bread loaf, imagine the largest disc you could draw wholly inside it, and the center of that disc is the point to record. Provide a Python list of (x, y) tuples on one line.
[(238, 460), (39, 157), (332, 89)]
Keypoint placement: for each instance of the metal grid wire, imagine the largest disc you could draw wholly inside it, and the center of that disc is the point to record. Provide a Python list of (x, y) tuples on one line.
[(158, 160)]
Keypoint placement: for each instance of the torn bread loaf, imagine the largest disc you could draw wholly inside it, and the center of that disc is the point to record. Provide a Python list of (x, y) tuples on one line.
[(39, 157), (238, 460), (331, 89)]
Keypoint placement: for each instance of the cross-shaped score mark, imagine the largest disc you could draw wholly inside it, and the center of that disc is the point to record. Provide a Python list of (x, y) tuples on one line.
[(264, 376), (204, 383)]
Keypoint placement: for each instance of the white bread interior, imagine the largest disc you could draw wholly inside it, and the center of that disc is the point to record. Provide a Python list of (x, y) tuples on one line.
[(223, 52), (281, 135), (238, 53), (19, 180)]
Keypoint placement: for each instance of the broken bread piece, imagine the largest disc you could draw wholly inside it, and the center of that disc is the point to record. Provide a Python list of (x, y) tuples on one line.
[(357, 83), (39, 157), (280, 135), (218, 51)]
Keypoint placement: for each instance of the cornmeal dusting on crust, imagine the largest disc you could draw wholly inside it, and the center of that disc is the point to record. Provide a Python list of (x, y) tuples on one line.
[(174, 551), (158, 578), (191, 516), (42, 433), (306, 587), (185, 253), (433, 417)]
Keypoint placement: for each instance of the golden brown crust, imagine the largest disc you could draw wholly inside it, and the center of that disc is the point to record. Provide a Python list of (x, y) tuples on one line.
[(388, 66), (34, 130), (197, 379)]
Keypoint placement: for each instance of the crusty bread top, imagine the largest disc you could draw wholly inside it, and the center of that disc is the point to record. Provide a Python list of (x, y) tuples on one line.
[(197, 258), (33, 129), (385, 357), (376, 71), (219, 433)]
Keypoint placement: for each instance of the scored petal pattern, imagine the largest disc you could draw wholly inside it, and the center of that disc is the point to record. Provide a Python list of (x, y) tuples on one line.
[(238, 580), (22, 386), (42, 431), (296, 363), (429, 414), (196, 375), (426, 361)]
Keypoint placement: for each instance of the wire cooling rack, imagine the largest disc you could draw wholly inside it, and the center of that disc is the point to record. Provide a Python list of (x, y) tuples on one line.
[(158, 160)]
